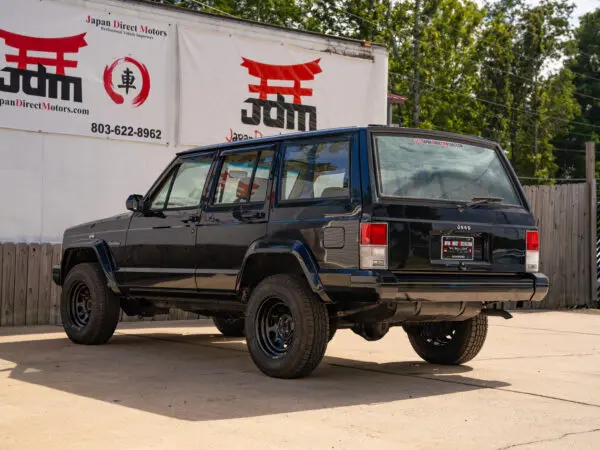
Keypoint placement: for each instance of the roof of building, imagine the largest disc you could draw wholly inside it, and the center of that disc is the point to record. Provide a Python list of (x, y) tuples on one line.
[(231, 18)]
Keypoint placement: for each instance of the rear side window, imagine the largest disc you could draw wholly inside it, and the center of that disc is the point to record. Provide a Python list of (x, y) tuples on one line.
[(411, 167), (243, 177), (236, 172), (316, 171), (261, 176)]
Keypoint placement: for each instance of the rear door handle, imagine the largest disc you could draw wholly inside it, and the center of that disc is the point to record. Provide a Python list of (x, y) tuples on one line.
[(249, 215)]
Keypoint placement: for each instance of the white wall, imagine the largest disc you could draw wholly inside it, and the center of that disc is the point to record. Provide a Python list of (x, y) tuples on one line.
[(50, 182)]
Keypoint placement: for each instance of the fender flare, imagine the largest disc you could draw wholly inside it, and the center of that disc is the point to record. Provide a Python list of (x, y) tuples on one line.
[(103, 256), (295, 248)]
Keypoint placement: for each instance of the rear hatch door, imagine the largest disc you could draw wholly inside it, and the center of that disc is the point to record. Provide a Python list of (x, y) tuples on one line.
[(451, 203)]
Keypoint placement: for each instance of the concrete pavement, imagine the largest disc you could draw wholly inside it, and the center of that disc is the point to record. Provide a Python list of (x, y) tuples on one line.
[(180, 385)]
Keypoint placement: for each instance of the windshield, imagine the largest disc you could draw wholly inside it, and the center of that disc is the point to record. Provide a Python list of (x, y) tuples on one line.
[(440, 170)]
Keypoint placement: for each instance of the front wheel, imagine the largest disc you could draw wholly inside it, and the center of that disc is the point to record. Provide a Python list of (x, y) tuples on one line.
[(88, 309), (287, 327), (448, 343)]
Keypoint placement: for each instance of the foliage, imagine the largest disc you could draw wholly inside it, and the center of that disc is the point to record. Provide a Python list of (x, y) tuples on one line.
[(508, 71), (286, 13), (585, 65)]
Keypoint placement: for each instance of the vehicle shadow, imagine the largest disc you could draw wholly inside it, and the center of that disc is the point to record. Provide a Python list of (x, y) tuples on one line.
[(198, 377)]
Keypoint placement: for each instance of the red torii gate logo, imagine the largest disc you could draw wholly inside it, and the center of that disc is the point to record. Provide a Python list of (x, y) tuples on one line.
[(46, 84), (296, 73), (286, 113)]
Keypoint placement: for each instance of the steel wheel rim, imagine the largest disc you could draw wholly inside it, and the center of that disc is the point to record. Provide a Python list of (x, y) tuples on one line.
[(438, 334), (275, 328), (80, 304)]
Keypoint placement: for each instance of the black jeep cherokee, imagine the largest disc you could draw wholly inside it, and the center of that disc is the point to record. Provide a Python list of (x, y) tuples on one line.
[(284, 240)]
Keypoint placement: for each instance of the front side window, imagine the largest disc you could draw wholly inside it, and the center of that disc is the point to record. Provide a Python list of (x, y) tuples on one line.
[(159, 198), (185, 191), (412, 167), (189, 183), (316, 171)]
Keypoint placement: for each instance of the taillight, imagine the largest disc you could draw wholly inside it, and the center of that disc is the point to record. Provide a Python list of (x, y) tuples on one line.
[(532, 253), (533, 241), (373, 233), (373, 246)]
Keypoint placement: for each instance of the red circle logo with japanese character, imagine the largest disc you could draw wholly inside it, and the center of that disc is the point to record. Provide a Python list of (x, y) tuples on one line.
[(127, 78)]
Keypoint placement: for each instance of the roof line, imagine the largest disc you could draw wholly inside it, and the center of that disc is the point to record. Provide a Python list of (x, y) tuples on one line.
[(267, 139), (340, 130)]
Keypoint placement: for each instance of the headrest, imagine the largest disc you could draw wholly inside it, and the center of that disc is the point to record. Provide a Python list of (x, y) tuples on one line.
[(259, 188)]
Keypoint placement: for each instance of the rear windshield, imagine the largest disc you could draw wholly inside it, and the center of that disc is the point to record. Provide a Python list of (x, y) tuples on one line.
[(440, 170)]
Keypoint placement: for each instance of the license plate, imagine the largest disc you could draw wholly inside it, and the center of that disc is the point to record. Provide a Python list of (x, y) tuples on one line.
[(457, 248)]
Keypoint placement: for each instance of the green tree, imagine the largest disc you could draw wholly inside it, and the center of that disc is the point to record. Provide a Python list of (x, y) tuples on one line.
[(585, 64), (481, 71), (447, 62), (527, 107), (288, 13), (495, 48)]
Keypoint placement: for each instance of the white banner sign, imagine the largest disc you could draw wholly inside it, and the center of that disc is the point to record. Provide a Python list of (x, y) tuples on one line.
[(236, 87), (66, 69)]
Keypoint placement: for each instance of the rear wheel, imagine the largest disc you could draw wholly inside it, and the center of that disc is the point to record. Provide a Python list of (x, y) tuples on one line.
[(89, 310), (449, 343), (287, 327), (230, 326)]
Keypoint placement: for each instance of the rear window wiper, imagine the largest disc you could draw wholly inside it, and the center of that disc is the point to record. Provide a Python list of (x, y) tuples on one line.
[(481, 201)]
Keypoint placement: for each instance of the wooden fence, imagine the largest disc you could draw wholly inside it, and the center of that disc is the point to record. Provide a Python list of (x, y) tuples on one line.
[(562, 214), (29, 297)]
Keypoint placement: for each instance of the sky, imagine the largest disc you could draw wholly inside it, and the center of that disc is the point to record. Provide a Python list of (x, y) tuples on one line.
[(581, 7), (585, 6)]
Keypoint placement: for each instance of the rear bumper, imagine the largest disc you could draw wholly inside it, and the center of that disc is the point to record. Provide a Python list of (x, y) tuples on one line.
[(456, 288)]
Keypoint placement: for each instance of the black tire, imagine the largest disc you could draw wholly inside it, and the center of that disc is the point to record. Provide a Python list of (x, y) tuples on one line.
[(287, 327), (89, 310), (230, 326), (449, 343)]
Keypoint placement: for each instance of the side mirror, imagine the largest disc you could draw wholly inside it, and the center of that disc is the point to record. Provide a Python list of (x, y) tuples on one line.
[(135, 202)]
